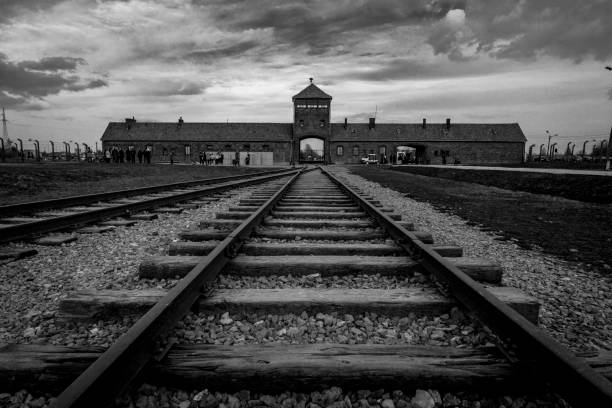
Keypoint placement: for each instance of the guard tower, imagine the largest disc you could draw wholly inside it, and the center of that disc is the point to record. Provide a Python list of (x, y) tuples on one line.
[(311, 127)]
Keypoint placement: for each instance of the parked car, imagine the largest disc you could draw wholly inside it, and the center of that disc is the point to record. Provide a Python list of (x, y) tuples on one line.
[(369, 159)]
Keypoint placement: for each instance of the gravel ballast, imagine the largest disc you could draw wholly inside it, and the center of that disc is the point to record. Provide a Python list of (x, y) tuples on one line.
[(32, 287), (576, 306), (149, 396)]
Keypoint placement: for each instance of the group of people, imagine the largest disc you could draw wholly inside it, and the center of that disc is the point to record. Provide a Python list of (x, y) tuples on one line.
[(129, 155), (209, 159)]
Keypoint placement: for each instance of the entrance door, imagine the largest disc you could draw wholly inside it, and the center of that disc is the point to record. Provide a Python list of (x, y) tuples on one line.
[(312, 150)]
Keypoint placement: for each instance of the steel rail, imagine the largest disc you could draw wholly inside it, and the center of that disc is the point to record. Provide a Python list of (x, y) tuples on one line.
[(27, 229), (32, 206), (572, 377), (112, 372)]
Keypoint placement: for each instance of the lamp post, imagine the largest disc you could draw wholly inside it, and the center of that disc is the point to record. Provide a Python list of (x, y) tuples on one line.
[(85, 149), (530, 155), (541, 147), (552, 153), (52, 150), (67, 148), (21, 149), (77, 150), (609, 140), (584, 147), (36, 148), (549, 137)]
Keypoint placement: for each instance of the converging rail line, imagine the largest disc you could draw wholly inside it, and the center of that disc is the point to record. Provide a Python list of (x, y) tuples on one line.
[(310, 224), (35, 218)]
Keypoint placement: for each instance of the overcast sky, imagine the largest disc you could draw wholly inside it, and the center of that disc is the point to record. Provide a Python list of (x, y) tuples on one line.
[(68, 67)]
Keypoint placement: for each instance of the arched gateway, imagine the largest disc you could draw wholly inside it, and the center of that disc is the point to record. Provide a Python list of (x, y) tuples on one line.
[(311, 127), (312, 150)]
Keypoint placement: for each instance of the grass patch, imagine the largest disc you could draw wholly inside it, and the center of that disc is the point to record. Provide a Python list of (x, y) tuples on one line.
[(573, 230), (589, 188), (31, 182)]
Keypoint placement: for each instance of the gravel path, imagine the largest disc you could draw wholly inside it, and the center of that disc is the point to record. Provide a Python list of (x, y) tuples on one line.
[(32, 287), (576, 302)]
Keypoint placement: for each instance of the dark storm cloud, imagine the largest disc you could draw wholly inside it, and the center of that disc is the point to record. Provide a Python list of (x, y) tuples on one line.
[(20, 85), (323, 25), (522, 30), (224, 52), (53, 64)]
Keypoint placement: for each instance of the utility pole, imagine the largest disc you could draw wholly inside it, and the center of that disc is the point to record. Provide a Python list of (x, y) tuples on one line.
[(608, 151), (4, 133)]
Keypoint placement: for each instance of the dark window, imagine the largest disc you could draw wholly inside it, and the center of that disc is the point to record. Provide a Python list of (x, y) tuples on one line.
[(435, 152), (339, 151), (246, 147), (164, 152), (355, 150), (382, 149), (322, 123), (210, 147), (228, 148), (265, 148)]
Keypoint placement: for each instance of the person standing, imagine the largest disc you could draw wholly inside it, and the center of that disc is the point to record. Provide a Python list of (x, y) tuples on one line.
[(139, 156), (247, 159), (237, 158), (172, 157)]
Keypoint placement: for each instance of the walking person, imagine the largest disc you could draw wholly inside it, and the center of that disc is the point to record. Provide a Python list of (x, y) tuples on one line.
[(237, 158)]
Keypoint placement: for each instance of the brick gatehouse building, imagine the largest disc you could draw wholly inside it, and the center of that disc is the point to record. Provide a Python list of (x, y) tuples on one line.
[(313, 138)]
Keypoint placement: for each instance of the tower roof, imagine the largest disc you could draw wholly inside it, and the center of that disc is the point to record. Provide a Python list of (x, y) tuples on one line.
[(311, 92)]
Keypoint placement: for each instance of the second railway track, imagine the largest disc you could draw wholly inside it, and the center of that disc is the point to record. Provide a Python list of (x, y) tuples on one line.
[(307, 234)]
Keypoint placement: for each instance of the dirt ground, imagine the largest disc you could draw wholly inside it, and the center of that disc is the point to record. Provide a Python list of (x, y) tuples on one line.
[(30, 182), (573, 230)]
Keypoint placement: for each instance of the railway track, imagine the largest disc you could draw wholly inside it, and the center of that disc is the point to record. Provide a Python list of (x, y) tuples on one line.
[(319, 230), (25, 220)]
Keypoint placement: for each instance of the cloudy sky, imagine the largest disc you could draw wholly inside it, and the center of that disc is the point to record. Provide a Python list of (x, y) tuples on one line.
[(68, 67)]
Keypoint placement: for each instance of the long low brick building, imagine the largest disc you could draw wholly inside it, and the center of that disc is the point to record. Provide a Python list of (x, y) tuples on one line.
[(312, 138)]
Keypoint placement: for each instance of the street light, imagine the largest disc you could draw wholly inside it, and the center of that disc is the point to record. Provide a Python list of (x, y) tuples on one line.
[(549, 137), (67, 148), (36, 148), (78, 150), (530, 156), (584, 147), (552, 153), (609, 68), (52, 150), (21, 149), (541, 147)]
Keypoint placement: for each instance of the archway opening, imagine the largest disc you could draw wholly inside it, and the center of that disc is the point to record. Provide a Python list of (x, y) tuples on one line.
[(312, 150)]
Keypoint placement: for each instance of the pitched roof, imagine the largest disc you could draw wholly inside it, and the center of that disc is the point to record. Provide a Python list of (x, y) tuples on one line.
[(311, 92), (433, 132), (164, 131)]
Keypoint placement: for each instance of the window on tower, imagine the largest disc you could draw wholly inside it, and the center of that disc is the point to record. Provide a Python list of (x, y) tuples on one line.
[(322, 123)]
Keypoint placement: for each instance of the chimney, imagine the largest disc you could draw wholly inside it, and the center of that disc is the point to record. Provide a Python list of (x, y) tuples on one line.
[(345, 123), (424, 123), (130, 120), (372, 124), (447, 123), (180, 121)]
